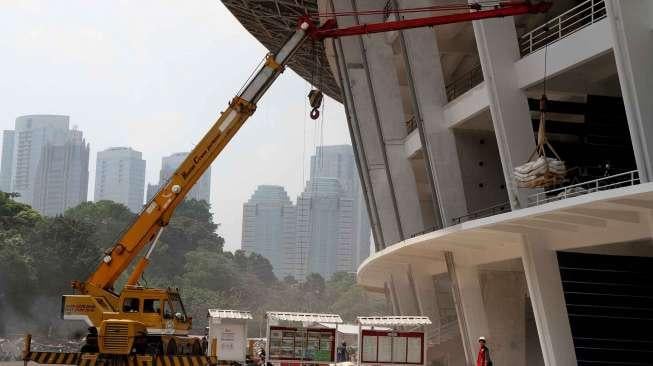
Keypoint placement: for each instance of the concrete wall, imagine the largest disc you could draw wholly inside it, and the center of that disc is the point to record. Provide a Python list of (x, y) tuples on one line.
[(483, 183), (376, 116)]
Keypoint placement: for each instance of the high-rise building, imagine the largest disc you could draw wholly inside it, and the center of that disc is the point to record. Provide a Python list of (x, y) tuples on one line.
[(265, 228), (61, 179), (120, 177), (552, 271), (337, 161), (324, 231), (31, 134), (332, 233), (6, 166), (202, 188), (45, 162)]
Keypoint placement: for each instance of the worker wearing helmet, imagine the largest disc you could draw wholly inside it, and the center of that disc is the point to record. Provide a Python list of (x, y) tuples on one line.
[(483, 358)]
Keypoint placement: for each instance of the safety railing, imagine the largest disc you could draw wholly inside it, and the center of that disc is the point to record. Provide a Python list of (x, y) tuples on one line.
[(425, 231), (486, 212), (601, 184), (571, 21), (464, 83)]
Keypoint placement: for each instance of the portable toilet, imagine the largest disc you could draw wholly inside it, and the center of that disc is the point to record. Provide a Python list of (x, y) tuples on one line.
[(227, 335)]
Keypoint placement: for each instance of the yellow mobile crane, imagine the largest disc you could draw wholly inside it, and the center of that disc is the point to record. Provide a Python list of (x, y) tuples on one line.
[(153, 322)]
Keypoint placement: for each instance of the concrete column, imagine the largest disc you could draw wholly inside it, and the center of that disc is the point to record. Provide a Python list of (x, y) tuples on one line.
[(406, 296), (427, 87), (549, 308), (498, 50), (469, 306), (504, 296), (426, 296), (370, 75), (631, 23)]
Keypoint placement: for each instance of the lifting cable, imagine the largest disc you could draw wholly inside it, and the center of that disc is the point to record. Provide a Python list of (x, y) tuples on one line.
[(541, 171)]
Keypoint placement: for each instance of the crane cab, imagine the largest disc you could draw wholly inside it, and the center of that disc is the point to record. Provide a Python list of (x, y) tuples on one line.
[(141, 320), (147, 321), (159, 310)]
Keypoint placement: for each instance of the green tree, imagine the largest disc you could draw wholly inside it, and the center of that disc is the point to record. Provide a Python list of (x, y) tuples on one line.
[(210, 270), (64, 250), (191, 228), (107, 218), (256, 264), (15, 216), (314, 284), (17, 273)]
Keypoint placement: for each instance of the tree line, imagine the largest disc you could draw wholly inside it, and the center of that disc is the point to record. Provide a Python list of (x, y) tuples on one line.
[(40, 256)]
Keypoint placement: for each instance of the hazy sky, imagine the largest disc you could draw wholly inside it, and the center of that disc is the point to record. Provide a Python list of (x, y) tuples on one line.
[(153, 75)]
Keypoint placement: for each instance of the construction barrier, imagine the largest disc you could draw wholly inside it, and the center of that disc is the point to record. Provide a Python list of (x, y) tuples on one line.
[(93, 359)]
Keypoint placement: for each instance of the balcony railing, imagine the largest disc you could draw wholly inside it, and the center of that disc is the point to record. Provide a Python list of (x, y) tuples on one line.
[(463, 84), (571, 21), (486, 212), (602, 184)]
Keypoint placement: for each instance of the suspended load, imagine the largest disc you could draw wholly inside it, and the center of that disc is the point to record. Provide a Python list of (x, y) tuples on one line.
[(541, 171)]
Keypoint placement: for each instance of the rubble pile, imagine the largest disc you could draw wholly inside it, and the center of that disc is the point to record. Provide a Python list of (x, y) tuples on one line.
[(11, 348)]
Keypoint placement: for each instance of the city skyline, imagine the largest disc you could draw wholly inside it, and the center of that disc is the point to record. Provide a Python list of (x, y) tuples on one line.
[(121, 93), (169, 164), (326, 230)]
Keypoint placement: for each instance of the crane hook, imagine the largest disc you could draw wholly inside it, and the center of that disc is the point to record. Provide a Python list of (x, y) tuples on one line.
[(315, 99)]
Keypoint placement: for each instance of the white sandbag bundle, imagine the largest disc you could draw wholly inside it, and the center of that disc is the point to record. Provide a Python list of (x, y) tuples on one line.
[(541, 172)]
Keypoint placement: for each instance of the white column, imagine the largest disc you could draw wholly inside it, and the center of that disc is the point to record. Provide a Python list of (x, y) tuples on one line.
[(424, 73), (369, 74), (470, 308), (404, 290), (631, 23), (426, 296), (547, 297), (504, 297), (498, 50)]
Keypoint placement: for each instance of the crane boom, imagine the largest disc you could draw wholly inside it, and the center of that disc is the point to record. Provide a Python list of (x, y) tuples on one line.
[(158, 211)]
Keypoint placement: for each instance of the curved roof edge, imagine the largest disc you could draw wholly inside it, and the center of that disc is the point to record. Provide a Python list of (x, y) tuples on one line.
[(272, 22), (619, 215)]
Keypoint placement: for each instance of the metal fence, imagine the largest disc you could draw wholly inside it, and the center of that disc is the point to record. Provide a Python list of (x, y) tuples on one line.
[(486, 212), (601, 184), (464, 83), (573, 20)]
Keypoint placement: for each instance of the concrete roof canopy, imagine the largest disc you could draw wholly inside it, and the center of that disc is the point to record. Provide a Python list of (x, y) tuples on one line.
[(272, 22)]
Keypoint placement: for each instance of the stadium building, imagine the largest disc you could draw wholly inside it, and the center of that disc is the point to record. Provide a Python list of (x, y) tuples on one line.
[(556, 273)]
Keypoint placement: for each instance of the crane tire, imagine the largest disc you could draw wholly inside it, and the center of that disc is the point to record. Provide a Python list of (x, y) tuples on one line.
[(171, 347)]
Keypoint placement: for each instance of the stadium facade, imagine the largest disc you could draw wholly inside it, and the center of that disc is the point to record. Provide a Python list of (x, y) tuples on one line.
[(440, 117)]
